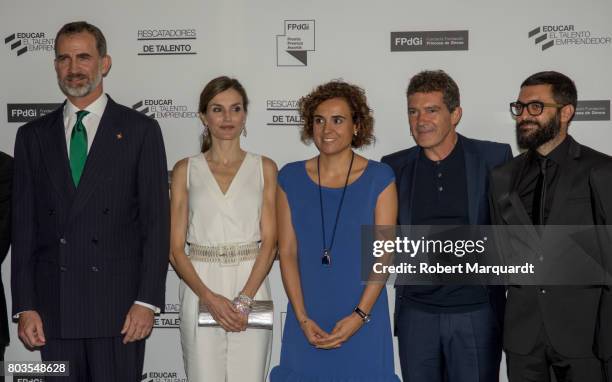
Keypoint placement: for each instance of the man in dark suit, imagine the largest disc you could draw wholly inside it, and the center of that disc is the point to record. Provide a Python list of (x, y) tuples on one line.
[(6, 178), (601, 184), (448, 332), (90, 221), (550, 184)]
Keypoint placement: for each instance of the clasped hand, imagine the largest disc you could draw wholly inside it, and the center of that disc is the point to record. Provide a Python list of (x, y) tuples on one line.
[(343, 330), (226, 314)]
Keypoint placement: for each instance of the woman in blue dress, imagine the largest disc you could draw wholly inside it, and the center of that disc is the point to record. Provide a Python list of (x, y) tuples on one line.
[(337, 326)]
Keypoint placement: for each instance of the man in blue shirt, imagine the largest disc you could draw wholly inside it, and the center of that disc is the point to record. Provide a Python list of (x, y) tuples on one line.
[(448, 332)]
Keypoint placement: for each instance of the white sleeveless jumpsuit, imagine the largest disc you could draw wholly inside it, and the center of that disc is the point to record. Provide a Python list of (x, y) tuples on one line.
[(212, 354)]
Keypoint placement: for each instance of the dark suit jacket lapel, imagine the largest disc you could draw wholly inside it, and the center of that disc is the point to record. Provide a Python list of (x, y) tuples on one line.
[(475, 173), (516, 213), (99, 156), (405, 190), (52, 139), (406, 187), (513, 211), (570, 170)]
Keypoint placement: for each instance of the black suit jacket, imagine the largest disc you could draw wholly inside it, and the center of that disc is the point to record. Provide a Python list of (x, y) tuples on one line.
[(480, 158), (601, 186), (568, 314), (6, 176), (82, 256)]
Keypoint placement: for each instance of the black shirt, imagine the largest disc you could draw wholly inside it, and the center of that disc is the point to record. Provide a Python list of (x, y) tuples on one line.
[(530, 173), (440, 198), (440, 192)]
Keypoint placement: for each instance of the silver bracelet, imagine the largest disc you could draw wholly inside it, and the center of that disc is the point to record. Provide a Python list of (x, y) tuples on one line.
[(245, 299), (243, 303)]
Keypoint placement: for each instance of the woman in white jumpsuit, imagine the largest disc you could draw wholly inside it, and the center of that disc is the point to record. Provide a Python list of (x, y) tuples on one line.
[(222, 212)]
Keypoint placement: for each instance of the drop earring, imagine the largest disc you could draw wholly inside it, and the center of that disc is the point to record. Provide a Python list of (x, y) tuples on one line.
[(244, 132)]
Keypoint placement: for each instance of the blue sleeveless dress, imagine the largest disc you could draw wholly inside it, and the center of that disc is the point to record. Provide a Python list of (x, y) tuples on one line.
[(331, 293)]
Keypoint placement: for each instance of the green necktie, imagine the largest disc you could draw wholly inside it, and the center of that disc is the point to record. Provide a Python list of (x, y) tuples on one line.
[(78, 147)]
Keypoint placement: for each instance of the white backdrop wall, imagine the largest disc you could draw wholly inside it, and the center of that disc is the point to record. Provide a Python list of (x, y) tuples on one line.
[(327, 40)]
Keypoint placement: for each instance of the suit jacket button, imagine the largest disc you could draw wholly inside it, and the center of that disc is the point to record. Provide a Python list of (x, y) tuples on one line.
[(63, 269), (63, 241), (542, 290), (94, 269), (94, 240), (106, 211), (51, 211)]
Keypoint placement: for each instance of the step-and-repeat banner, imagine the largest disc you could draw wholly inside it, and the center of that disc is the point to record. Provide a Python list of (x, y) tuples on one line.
[(164, 52)]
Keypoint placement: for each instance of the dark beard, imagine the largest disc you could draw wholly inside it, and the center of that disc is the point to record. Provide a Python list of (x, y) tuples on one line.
[(541, 135)]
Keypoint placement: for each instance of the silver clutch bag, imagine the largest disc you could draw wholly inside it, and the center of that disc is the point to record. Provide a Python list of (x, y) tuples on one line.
[(261, 316)]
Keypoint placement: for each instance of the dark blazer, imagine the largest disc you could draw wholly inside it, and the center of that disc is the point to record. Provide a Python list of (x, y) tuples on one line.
[(82, 256), (480, 158), (569, 314), (6, 177), (601, 186)]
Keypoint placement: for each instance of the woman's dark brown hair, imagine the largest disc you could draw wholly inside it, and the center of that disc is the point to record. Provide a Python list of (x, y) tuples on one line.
[(214, 87), (357, 102)]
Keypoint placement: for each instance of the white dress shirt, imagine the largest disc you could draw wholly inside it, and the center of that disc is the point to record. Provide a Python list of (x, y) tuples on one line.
[(91, 120)]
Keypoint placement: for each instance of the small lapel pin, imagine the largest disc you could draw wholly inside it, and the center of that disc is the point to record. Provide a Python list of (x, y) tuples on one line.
[(119, 136)]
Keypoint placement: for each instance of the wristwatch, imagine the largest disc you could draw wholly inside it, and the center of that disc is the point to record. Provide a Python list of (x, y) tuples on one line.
[(364, 316)]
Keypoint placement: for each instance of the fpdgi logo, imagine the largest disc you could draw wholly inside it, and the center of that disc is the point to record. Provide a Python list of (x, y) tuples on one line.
[(592, 110), (26, 112), (292, 47), (419, 41), (22, 42)]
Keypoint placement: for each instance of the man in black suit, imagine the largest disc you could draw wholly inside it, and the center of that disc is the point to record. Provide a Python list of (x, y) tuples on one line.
[(90, 221), (6, 177), (447, 332), (549, 184), (601, 184)]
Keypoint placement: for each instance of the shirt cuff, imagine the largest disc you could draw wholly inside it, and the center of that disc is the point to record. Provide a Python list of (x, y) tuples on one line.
[(152, 307)]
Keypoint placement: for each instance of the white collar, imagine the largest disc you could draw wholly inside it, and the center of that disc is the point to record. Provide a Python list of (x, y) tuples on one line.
[(96, 107)]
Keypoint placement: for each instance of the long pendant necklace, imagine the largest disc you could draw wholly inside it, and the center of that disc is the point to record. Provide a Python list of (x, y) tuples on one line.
[(326, 258)]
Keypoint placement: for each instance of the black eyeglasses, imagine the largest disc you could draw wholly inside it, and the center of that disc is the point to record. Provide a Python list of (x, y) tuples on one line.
[(534, 108)]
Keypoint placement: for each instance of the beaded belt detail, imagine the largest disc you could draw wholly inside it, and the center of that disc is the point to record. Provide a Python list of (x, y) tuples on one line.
[(225, 254)]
